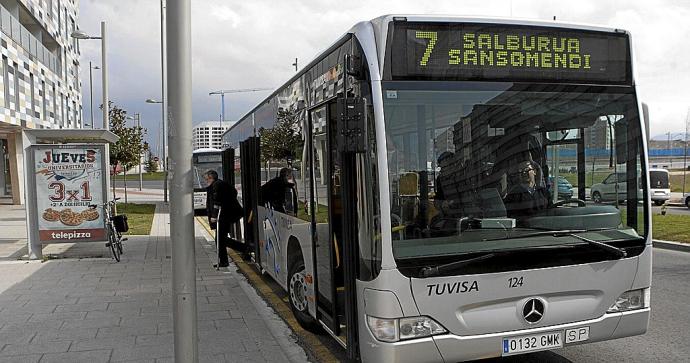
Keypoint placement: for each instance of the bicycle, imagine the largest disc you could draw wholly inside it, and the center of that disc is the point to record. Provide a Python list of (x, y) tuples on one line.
[(114, 225)]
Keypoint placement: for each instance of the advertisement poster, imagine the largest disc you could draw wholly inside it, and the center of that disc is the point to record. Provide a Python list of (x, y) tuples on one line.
[(69, 179)]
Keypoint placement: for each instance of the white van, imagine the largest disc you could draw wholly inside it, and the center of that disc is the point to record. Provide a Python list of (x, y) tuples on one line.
[(659, 188)]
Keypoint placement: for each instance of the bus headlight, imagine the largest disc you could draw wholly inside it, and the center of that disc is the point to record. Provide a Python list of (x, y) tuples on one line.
[(631, 300), (419, 327), (393, 330)]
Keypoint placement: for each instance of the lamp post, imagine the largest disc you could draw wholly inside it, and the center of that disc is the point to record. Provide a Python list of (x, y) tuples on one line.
[(91, 68), (222, 100), (80, 34), (165, 148), (137, 120)]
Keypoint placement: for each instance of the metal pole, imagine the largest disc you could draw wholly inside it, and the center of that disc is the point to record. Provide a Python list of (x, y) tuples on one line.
[(668, 146), (685, 150), (104, 75), (179, 53), (222, 107), (222, 115), (164, 101), (91, 93), (141, 178)]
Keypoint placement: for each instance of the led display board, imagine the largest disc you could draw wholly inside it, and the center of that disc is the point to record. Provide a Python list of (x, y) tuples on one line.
[(464, 51)]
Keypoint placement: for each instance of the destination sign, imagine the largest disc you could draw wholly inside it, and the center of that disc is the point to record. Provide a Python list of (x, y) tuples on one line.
[(457, 51)]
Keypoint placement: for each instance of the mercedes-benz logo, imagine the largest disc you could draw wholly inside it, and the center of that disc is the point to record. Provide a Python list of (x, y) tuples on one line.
[(533, 311)]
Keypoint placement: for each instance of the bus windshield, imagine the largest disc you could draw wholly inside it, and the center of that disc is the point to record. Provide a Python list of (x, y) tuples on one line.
[(474, 166), (203, 162)]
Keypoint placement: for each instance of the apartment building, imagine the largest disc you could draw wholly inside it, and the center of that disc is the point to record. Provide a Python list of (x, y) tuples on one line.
[(39, 79), (208, 134)]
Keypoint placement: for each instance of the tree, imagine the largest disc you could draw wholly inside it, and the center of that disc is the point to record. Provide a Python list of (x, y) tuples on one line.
[(151, 164), (284, 140), (127, 150)]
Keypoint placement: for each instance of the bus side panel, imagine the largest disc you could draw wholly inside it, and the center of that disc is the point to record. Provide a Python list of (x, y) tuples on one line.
[(275, 232)]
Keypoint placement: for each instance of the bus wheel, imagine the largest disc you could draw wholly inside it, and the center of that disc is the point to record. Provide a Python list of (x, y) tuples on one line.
[(297, 292), (596, 196)]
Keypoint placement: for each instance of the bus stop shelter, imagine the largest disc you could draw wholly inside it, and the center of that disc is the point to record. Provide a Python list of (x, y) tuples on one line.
[(66, 172)]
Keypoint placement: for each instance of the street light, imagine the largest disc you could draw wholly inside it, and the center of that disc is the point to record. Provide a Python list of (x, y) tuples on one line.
[(137, 119), (91, 91), (165, 150), (222, 101), (80, 34)]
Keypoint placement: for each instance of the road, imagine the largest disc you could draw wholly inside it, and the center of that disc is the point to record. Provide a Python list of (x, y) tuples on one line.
[(667, 337), (134, 184)]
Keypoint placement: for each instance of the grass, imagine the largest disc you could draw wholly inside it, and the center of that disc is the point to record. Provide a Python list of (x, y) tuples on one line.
[(677, 183), (144, 176), (321, 214), (139, 217), (671, 227)]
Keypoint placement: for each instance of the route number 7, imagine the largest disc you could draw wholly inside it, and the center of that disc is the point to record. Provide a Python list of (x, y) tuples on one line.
[(433, 37)]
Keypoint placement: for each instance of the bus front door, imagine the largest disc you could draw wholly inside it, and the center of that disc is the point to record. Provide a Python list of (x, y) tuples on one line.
[(335, 246), (327, 219)]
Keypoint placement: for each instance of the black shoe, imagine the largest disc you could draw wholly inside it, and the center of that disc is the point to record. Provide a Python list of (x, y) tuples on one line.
[(221, 265)]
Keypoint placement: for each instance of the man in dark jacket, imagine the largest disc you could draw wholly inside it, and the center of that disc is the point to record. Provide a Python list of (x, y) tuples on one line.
[(527, 197), (221, 197), (281, 193)]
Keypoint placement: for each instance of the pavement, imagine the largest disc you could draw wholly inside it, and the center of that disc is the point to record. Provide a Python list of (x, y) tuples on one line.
[(79, 305)]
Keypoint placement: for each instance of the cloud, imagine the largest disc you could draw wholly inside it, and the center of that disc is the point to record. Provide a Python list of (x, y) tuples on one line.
[(248, 44)]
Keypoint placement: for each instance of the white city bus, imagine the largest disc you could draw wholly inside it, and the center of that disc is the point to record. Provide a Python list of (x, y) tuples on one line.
[(204, 160), (420, 149)]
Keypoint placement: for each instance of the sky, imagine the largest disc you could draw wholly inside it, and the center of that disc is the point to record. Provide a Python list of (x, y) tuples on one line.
[(239, 44)]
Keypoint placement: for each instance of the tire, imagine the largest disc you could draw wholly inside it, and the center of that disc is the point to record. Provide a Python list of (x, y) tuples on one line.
[(113, 246), (297, 289), (596, 196), (658, 203), (687, 202), (119, 243)]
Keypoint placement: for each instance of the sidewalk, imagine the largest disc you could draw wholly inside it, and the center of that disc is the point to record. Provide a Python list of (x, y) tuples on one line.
[(78, 308)]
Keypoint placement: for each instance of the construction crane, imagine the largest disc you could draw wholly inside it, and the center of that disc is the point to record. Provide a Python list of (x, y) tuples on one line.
[(222, 98)]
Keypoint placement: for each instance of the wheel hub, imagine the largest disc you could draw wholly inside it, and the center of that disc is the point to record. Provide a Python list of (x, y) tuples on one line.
[(298, 291)]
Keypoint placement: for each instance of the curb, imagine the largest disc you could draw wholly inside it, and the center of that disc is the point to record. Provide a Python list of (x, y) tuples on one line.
[(670, 245)]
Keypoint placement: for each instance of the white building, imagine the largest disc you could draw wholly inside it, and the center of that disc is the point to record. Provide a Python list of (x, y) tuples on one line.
[(39, 78), (208, 134)]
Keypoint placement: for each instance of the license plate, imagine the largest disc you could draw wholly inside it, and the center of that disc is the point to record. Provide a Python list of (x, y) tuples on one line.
[(577, 335), (532, 343)]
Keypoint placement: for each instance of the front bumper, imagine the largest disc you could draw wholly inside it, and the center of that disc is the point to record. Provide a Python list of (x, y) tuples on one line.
[(455, 348)]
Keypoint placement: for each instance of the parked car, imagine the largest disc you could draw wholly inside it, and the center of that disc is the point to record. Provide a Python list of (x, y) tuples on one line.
[(614, 187), (565, 189)]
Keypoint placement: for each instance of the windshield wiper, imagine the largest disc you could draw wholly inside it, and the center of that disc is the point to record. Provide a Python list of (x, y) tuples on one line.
[(619, 252), (430, 271), (555, 233), (437, 270)]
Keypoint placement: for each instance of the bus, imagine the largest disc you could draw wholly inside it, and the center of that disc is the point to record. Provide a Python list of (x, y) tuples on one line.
[(420, 149), (204, 160)]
